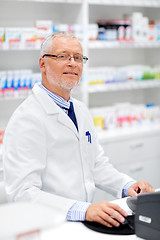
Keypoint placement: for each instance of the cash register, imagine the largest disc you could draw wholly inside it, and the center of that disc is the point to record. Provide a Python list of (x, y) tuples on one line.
[(146, 208)]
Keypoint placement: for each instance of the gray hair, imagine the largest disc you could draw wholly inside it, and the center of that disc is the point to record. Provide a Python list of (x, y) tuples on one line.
[(46, 44)]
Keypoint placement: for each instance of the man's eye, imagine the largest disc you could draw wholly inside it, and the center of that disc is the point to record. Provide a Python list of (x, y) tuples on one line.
[(62, 56), (78, 57)]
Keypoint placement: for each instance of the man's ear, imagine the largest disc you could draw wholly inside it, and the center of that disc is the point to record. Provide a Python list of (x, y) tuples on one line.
[(42, 64)]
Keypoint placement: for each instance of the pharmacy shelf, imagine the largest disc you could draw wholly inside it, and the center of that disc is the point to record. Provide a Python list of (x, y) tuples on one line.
[(53, 1), (17, 96), (108, 87), (123, 44), (134, 3), (100, 44), (124, 86), (13, 98), (125, 133), (20, 49)]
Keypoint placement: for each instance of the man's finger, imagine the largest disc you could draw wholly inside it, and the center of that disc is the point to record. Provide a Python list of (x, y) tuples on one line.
[(104, 222), (118, 209), (110, 219)]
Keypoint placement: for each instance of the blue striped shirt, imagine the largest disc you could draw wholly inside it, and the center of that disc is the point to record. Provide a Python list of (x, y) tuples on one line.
[(57, 99), (78, 211)]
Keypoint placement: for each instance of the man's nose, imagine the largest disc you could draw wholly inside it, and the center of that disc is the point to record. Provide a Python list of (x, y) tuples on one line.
[(72, 60)]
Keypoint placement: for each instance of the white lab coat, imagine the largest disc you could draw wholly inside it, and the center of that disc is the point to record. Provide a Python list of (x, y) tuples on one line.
[(47, 161)]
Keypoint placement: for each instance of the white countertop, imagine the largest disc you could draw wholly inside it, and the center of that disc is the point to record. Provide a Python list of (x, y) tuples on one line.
[(128, 133), (37, 222), (76, 230)]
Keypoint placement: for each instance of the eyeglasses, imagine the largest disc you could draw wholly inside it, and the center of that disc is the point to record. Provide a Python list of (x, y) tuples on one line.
[(66, 57)]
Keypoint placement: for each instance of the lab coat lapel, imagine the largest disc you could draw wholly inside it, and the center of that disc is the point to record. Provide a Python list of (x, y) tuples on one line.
[(65, 120), (51, 108)]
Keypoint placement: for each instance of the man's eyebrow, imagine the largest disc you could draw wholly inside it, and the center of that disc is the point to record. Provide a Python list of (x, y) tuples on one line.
[(69, 53)]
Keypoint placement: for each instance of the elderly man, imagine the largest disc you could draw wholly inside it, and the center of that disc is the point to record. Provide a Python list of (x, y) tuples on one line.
[(51, 151)]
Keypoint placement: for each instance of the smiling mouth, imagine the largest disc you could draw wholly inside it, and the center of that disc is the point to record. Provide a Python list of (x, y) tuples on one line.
[(71, 73)]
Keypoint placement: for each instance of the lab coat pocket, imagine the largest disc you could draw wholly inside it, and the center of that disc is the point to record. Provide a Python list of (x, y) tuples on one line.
[(90, 148)]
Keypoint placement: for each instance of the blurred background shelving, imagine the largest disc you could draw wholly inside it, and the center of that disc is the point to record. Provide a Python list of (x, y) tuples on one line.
[(115, 55)]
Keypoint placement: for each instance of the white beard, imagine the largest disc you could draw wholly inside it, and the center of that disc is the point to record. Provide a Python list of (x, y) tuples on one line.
[(66, 86), (59, 82)]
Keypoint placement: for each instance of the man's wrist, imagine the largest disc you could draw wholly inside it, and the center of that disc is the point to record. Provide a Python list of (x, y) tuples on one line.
[(126, 187), (78, 211)]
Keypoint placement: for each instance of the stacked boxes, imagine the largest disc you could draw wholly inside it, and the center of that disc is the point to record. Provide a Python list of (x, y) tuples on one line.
[(17, 83), (32, 37), (106, 75), (125, 115)]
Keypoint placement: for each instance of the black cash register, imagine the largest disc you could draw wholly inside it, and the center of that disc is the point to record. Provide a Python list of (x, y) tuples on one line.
[(147, 215)]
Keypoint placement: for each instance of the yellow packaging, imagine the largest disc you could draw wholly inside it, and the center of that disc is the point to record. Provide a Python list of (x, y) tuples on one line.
[(99, 122)]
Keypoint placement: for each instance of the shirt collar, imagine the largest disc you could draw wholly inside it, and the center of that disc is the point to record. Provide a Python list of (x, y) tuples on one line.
[(57, 99)]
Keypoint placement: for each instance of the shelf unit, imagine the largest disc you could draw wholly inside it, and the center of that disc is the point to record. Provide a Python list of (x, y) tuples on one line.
[(53, 1), (133, 151), (137, 3), (131, 144), (115, 44), (124, 86), (92, 44), (146, 3), (127, 53), (19, 13), (23, 13), (85, 12)]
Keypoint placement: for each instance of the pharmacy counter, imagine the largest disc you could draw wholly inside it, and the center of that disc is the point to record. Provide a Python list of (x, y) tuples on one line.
[(36, 222), (73, 230), (77, 230), (118, 135)]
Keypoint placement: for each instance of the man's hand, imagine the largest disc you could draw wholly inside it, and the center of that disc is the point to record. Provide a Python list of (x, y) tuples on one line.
[(105, 213), (140, 187)]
